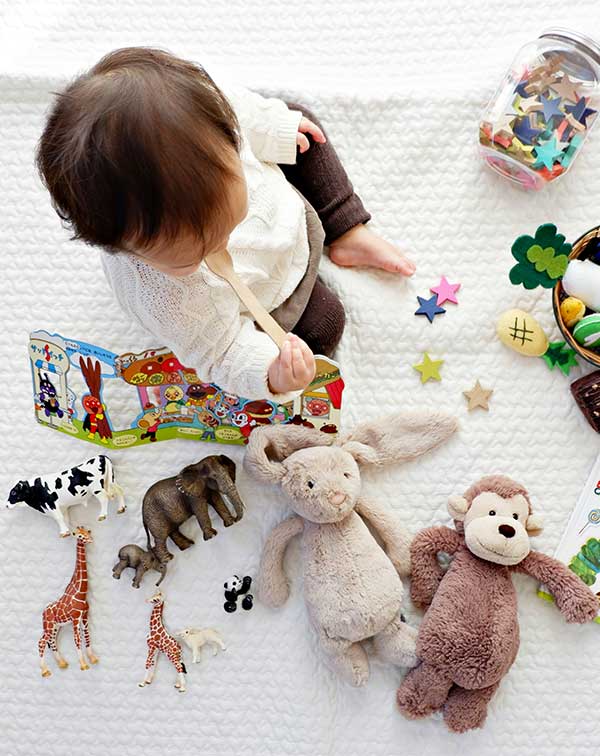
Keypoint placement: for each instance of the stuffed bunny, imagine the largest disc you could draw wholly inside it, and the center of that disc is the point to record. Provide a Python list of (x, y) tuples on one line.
[(352, 585)]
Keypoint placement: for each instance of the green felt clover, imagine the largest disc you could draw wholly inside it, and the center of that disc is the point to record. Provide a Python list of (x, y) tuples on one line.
[(558, 353), (546, 260), (541, 259)]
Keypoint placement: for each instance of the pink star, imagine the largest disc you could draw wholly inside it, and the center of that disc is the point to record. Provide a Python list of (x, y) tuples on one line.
[(446, 292)]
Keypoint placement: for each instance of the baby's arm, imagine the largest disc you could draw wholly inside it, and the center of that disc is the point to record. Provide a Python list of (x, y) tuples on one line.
[(204, 328), (270, 126)]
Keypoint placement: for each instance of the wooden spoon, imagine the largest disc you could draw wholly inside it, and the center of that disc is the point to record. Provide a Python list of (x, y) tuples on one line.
[(221, 265)]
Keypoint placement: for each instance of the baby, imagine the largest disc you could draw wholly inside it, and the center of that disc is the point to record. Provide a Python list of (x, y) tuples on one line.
[(146, 157)]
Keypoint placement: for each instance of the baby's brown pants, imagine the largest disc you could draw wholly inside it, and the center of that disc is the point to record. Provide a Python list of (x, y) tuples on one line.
[(319, 176)]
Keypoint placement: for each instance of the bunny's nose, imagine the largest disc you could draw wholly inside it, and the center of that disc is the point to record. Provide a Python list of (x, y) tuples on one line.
[(337, 498), (506, 530)]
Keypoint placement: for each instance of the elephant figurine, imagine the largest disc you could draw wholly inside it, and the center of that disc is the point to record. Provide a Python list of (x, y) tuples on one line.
[(171, 501), (141, 561)]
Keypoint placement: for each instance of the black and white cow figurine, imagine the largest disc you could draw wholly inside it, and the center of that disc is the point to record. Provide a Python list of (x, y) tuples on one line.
[(54, 494)]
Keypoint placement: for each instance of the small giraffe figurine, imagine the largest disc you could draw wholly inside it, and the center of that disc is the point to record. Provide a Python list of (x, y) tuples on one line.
[(159, 639), (71, 607)]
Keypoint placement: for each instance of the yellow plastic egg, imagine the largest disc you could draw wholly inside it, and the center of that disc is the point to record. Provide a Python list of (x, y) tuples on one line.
[(520, 331), (572, 311)]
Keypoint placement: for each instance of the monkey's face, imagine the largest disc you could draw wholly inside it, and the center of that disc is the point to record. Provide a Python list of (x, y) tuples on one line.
[(496, 528)]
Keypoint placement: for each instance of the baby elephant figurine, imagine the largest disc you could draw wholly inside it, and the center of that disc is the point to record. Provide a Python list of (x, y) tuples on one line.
[(351, 584), (170, 502), (141, 561), (196, 639)]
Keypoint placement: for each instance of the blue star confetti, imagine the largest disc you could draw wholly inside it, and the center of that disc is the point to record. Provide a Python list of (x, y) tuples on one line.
[(551, 108), (429, 308), (579, 111), (525, 132)]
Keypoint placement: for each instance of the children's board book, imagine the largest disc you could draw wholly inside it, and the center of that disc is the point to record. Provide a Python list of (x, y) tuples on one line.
[(579, 547), (121, 400)]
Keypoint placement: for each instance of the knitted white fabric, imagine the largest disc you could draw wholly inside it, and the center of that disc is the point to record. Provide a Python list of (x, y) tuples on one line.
[(199, 317)]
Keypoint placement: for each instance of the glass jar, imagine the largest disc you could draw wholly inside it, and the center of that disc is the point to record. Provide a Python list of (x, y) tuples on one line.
[(538, 120)]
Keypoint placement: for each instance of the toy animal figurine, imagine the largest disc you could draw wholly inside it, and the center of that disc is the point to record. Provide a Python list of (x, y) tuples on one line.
[(159, 639), (170, 502), (235, 587), (352, 585), (54, 494), (196, 639), (469, 636), (48, 396), (95, 420), (139, 560), (71, 607)]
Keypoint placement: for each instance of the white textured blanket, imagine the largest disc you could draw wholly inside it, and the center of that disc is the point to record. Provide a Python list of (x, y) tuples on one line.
[(400, 86)]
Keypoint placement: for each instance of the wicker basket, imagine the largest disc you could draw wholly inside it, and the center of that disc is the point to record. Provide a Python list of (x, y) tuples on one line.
[(582, 249)]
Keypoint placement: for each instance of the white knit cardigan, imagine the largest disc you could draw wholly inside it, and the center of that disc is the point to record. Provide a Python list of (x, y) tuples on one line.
[(199, 317)]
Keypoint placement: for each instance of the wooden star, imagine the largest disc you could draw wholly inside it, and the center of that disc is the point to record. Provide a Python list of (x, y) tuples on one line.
[(503, 125), (574, 123), (429, 369), (565, 87), (478, 397), (543, 76), (529, 103)]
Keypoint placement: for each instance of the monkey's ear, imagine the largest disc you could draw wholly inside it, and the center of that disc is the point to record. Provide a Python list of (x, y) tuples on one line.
[(535, 524), (458, 507)]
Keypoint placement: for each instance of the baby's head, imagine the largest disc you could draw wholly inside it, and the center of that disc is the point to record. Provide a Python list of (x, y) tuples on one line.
[(141, 154)]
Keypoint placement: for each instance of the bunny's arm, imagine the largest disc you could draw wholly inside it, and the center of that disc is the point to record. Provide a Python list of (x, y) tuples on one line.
[(272, 585), (574, 599), (426, 571), (396, 540)]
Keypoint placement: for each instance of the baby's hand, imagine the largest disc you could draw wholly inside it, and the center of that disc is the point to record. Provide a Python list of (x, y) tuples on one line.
[(294, 368), (308, 127)]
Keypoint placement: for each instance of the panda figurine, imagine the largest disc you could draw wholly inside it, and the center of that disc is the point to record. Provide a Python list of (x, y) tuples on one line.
[(235, 587)]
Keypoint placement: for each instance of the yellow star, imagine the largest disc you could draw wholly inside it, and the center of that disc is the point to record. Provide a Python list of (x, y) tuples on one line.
[(478, 397), (429, 369), (521, 151)]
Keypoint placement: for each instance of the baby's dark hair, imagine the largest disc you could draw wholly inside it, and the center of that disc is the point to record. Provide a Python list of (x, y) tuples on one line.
[(137, 148)]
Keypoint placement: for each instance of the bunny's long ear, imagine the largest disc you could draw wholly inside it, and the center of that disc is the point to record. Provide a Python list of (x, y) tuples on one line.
[(270, 445), (398, 437)]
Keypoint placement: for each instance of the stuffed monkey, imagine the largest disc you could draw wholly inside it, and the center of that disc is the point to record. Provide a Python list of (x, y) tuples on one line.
[(469, 636)]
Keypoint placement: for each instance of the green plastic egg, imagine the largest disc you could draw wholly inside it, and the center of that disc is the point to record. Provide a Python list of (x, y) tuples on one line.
[(587, 331)]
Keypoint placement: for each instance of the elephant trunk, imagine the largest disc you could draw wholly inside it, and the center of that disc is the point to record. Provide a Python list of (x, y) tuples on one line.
[(233, 500)]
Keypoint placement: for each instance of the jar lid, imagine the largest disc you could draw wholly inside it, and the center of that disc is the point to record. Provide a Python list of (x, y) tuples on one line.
[(591, 47)]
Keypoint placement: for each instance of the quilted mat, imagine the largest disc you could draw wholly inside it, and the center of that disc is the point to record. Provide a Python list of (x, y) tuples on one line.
[(399, 86)]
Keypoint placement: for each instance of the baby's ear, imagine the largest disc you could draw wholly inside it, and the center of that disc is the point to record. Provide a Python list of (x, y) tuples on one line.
[(270, 445), (535, 524), (398, 437), (458, 507)]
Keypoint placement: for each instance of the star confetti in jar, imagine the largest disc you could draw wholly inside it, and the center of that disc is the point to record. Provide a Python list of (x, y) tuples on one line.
[(539, 119)]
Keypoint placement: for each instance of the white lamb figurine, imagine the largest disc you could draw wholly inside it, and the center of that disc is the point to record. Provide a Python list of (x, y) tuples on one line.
[(195, 639)]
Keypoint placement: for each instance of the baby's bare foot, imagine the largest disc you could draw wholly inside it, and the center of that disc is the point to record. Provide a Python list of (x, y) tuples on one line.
[(361, 247)]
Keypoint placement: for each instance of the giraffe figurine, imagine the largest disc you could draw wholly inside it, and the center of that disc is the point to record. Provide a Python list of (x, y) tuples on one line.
[(71, 607), (159, 639)]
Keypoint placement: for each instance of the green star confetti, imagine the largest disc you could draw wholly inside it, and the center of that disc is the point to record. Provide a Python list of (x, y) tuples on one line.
[(559, 354)]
